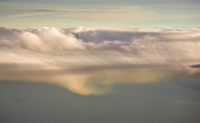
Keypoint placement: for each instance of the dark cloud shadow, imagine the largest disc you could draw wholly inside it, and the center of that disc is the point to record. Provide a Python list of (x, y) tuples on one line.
[(195, 66)]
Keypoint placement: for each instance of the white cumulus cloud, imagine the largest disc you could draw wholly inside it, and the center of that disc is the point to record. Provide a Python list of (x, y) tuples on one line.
[(90, 61)]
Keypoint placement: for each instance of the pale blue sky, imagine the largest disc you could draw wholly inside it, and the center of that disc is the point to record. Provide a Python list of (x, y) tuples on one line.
[(99, 13)]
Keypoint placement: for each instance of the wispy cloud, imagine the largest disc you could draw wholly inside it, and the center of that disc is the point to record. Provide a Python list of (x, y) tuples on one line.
[(89, 14)]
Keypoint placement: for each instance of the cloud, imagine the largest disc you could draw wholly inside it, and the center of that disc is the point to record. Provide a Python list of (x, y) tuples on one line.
[(91, 14), (87, 11), (90, 61), (195, 66)]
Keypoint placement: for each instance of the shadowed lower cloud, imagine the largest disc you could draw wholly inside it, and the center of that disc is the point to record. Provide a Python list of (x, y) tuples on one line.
[(195, 66), (90, 61)]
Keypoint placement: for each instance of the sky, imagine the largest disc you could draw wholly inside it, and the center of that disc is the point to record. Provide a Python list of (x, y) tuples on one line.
[(99, 61), (99, 13)]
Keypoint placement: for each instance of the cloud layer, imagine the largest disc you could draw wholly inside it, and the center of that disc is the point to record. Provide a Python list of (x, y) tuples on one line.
[(120, 14), (90, 61)]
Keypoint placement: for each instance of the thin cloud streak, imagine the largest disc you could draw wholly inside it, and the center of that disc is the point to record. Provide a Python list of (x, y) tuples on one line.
[(89, 14), (88, 11)]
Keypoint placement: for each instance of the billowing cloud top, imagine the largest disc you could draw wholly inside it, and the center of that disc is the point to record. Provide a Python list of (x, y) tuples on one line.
[(90, 61)]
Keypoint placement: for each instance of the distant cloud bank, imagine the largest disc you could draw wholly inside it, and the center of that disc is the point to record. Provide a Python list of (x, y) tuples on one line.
[(89, 61)]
